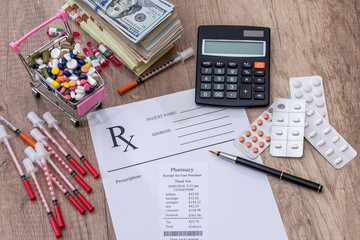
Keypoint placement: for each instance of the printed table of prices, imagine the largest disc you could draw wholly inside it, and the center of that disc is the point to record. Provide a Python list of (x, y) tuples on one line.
[(183, 198)]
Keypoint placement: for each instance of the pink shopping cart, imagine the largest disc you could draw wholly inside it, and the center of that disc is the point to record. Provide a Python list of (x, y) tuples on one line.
[(39, 86)]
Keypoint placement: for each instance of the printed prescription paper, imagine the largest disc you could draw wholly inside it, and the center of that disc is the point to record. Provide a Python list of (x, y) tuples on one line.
[(135, 144)]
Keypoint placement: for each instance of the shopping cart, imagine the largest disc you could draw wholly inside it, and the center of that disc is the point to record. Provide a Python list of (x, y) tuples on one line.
[(39, 86)]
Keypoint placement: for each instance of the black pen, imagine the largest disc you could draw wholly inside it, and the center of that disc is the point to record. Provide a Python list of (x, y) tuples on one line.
[(276, 173)]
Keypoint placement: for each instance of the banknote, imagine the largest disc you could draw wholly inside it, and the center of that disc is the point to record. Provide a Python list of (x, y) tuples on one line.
[(133, 18)]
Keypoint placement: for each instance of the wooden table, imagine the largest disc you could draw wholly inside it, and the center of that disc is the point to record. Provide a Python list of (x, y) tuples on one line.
[(308, 38)]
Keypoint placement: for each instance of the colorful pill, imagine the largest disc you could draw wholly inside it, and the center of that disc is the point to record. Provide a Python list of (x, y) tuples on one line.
[(242, 139), (247, 133), (268, 138), (261, 144), (87, 87), (88, 65), (67, 97), (84, 69), (259, 122), (55, 84), (261, 133), (254, 139), (266, 116), (253, 127), (66, 85), (255, 150), (83, 82), (248, 144)]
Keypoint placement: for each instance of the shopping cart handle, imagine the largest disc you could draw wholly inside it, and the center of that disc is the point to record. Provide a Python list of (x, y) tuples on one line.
[(15, 45)]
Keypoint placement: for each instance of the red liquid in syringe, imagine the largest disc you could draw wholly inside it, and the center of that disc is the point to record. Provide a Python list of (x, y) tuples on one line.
[(94, 61), (109, 55), (102, 60)]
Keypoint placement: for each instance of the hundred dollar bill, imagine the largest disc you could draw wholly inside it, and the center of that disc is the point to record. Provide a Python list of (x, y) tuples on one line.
[(133, 18)]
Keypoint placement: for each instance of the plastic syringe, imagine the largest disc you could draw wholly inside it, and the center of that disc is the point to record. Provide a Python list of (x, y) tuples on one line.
[(182, 57), (30, 169), (4, 138), (37, 122), (36, 134), (53, 123), (40, 156), (18, 132)]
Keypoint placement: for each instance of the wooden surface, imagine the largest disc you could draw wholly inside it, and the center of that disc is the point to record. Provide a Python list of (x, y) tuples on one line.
[(308, 38)]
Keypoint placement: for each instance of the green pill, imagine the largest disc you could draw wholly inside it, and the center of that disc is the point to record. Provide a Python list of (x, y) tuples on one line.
[(45, 57), (70, 39), (65, 46), (31, 62), (36, 55)]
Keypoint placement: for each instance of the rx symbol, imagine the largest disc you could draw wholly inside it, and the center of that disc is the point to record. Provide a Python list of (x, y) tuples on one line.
[(114, 132)]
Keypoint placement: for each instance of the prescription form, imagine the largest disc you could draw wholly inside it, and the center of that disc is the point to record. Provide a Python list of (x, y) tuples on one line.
[(148, 149)]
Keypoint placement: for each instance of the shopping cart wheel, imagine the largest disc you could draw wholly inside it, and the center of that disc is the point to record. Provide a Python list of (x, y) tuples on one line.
[(75, 122), (100, 105), (35, 93)]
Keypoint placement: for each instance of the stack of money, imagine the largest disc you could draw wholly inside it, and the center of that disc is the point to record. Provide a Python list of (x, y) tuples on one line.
[(139, 32)]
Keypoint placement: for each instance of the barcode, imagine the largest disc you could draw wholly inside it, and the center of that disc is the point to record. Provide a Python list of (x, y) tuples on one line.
[(183, 233)]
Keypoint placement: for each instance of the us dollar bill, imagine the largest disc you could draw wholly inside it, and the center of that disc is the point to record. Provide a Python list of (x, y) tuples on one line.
[(133, 18)]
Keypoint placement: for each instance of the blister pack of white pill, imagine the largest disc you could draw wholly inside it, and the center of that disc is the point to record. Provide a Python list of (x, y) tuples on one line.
[(312, 90), (256, 137), (327, 140), (287, 130)]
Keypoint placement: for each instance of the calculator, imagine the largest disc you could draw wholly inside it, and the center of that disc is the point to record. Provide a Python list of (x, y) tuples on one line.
[(233, 66)]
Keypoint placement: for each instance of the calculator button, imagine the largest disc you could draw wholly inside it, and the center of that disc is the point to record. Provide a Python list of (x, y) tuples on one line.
[(219, 79), (245, 91), (205, 78), (219, 71), (219, 87), (204, 94), (259, 65), (231, 80), (206, 64), (259, 96), (219, 64), (246, 80), (260, 88), (232, 72), (232, 65), (205, 86), (246, 65), (218, 94), (206, 71), (231, 95), (246, 72), (231, 87), (259, 73), (259, 80)]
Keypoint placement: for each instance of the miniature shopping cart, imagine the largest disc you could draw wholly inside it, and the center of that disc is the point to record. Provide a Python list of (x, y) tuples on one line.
[(40, 87)]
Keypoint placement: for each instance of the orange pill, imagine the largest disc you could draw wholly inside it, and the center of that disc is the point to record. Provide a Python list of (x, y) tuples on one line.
[(84, 69), (247, 133), (266, 116), (254, 138), (253, 127), (248, 144), (261, 144), (261, 133), (259, 122), (255, 149), (241, 139), (268, 138)]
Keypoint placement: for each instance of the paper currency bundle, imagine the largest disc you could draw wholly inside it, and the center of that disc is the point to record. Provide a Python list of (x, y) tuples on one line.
[(139, 32)]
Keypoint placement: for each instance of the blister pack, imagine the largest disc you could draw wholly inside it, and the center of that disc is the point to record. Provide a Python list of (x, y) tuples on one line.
[(312, 90), (327, 140), (256, 137), (287, 130)]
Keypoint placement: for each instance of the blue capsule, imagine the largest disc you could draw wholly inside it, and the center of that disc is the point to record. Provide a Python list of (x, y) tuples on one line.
[(72, 55), (48, 69), (90, 90), (82, 76), (72, 99), (76, 72), (81, 62), (63, 61), (36, 66), (67, 73), (78, 67), (61, 66), (53, 77)]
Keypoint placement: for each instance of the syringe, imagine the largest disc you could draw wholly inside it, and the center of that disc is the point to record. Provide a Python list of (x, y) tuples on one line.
[(182, 57)]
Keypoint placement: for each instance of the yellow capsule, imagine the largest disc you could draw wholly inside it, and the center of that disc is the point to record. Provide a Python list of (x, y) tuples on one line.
[(55, 71), (55, 84), (66, 84), (87, 64), (58, 77)]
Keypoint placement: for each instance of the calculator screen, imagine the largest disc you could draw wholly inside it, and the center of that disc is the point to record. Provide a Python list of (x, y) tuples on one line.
[(234, 48)]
